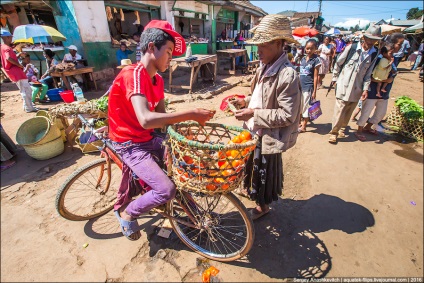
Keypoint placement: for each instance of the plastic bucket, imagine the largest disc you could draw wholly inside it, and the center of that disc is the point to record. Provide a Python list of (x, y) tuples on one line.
[(67, 96), (53, 94)]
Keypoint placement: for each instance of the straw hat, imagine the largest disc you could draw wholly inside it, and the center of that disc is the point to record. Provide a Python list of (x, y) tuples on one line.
[(270, 28), (124, 63)]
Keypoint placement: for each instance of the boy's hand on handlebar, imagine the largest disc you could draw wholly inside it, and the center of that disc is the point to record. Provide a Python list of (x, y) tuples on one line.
[(203, 115)]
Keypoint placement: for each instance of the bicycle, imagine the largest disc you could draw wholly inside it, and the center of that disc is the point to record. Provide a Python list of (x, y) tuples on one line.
[(216, 226)]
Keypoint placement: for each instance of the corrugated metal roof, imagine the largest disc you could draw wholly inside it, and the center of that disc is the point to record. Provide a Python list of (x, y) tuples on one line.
[(405, 23)]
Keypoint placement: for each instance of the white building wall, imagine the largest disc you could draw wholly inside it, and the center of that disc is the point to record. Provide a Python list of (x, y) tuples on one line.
[(92, 21)]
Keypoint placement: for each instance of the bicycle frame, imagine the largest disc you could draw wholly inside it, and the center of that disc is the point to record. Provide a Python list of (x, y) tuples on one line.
[(109, 155)]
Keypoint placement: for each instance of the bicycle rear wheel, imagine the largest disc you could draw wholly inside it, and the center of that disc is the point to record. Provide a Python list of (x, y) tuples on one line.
[(219, 227), (89, 192)]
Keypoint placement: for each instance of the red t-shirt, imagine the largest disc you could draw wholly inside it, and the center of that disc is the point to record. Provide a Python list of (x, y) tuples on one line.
[(12, 71), (123, 123)]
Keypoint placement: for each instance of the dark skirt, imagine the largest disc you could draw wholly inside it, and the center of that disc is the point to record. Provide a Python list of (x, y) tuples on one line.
[(264, 176)]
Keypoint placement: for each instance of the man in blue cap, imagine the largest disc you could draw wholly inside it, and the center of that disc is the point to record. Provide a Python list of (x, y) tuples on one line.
[(14, 70)]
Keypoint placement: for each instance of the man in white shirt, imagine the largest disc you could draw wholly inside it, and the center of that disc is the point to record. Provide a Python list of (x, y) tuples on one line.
[(74, 57)]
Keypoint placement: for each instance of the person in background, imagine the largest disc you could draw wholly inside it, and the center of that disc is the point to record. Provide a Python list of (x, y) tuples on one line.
[(50, 62), (287, 49), (419, 59), (123, 53), (340, 45), (74, 57), (14, 70), (353, 77), (366, 122), (272, 112), (136, 37), (7, 149), (38, 89), (309, 69), (401, 53), (325, 51)]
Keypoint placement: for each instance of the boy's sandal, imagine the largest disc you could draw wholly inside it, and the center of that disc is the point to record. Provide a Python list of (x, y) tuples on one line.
[(127, 227), (300, 130), (254, 214), (371, 131), (360, 137), (332, 139)]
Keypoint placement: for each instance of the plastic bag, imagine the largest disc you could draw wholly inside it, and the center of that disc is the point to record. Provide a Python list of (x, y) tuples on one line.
[(314, 110)]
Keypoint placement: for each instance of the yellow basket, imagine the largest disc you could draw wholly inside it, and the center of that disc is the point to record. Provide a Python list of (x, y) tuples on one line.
[(46, 150), (38, 130), (204, 160), (57, 121)]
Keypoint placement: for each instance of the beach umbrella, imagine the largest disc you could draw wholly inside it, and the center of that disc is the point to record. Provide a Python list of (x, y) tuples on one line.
[(36, 34), (304, 31), (332, 31)]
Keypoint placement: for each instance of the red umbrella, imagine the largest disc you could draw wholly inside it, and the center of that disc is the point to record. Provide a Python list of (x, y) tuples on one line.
[(305, 31)]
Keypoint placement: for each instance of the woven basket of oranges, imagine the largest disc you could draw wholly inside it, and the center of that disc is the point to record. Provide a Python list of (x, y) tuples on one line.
[(211, 158)]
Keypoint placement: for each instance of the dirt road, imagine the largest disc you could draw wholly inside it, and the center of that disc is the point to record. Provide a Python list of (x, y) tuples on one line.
[(354, 209)]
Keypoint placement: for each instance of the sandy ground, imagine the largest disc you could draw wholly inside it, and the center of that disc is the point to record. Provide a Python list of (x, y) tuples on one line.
[(354, 209)]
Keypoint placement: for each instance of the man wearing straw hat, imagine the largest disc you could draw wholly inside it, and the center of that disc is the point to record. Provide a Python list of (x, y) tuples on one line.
[(353, 78), (272, 111), (14, 70), (136, 107)]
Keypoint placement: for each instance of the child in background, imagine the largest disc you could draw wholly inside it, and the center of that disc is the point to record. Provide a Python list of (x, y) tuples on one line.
[(38, 89), (382, 70), (309, 70), (123, 53)]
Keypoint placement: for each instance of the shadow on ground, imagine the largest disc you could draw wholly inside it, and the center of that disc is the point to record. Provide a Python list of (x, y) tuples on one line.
[(286, 243)]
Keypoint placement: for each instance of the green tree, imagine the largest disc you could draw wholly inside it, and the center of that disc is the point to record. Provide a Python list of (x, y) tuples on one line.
[(414, 13)]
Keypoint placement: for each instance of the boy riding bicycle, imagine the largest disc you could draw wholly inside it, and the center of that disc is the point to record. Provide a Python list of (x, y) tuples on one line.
[(136, 107)]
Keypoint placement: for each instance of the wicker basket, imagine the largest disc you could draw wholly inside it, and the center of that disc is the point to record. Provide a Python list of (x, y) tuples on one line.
[(47, 150), (88, 147), (203, 160), (40, 139), (38, 130), (59, 122), (411, 129)]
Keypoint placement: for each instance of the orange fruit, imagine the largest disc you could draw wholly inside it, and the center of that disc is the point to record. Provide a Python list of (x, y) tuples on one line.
[(188, 159), (236, 139), (228, 172), (225, 186), (211, 187), (232, 178), (236, 163), (219, 180), (234, 153), (245, 136), (220, 163), (224, 166)]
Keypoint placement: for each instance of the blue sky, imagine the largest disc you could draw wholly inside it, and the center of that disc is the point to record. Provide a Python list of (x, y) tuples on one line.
[(345, 13)]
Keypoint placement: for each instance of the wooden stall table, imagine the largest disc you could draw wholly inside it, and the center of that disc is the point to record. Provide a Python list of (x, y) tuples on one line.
[(195, 67), (232, 53), (63, 75)]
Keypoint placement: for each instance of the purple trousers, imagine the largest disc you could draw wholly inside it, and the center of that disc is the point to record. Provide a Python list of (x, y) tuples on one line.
[(138, 158)]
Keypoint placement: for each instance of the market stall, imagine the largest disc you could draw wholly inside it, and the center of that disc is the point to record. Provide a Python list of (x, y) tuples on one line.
[(189, 20)]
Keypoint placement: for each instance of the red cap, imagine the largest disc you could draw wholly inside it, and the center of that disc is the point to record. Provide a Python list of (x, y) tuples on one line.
[(180, 46)]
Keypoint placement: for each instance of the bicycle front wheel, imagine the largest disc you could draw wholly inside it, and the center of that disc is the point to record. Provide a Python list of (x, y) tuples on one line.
[(217, 227), (89, 192)]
